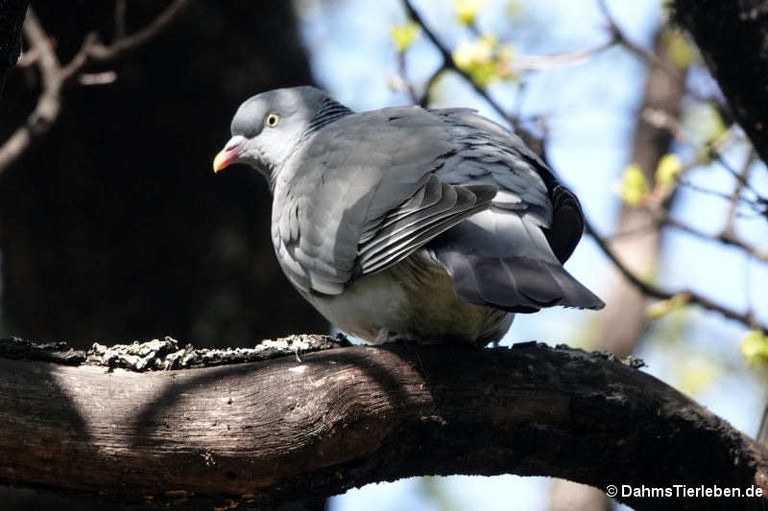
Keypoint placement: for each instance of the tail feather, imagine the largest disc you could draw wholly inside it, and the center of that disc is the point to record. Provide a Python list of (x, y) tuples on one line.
[(505, 262), (515, 284)]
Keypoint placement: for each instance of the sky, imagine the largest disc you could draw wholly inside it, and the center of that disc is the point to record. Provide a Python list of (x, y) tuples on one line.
[(590, 110)]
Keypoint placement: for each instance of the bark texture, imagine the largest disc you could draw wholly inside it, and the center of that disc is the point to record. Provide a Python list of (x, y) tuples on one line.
[(262, 432), (733, 38)]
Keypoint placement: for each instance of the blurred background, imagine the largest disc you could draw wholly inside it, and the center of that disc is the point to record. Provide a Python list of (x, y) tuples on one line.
[(113, 227)]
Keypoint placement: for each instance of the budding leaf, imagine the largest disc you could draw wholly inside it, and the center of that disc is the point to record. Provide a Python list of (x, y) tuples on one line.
[(404, 35), (467, 10), (634, 187), (668, 170), (485, 60), (679, 50), (754, 347)]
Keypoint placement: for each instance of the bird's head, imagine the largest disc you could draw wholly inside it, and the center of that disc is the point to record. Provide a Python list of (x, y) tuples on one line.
[(267, 127)]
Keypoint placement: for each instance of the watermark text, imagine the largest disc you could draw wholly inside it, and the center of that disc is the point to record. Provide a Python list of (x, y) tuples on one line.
[(679, 491)]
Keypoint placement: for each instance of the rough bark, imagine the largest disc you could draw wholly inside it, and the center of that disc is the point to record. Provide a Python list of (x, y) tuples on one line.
[(624, 320), (733, 39), (344, 417), (11, 20)]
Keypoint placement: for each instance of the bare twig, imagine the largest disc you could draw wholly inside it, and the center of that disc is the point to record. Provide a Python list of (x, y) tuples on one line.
[(733, 205), (449, 63), (402, 70), (715, 153), (104, 78), (540, 62), (431, 81), (759, 204), (48, 104), (55, 77), (648, 289), (652, 291), (97, 52), (621, 38), (725, 238)]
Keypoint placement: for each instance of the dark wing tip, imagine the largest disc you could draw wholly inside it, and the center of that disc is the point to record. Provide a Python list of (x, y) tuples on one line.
[(567, 223)]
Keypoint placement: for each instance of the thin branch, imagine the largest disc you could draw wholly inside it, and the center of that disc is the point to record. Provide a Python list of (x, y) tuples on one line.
[(738, 175), (449, 63), (726, 239), (621, 38), (55, 77), (733, 204), (423, 101), (758, 205), (48, 104), (406, 84), (541, 62), (648, 289), (119, 48), (652, 291)]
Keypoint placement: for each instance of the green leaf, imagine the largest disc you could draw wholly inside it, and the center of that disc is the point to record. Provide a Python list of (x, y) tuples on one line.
[(467, 10), (485, 60), (703, 123), (634, 187), (404, 35), (679, 50), (754, 347), (668, 170)]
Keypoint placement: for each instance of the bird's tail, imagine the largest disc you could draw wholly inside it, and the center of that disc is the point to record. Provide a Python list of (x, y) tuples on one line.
[(501, 262)]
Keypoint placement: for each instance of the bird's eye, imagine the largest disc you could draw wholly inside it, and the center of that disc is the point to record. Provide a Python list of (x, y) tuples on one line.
[(272, 120)]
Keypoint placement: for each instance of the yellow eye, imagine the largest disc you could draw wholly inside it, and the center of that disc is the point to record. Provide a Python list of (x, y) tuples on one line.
[(272, 120)]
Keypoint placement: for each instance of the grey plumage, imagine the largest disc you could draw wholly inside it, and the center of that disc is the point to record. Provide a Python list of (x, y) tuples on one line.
[(378, 214)]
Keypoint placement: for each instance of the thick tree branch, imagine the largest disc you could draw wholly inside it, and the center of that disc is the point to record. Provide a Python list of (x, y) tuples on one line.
[(349, 416), (733, 39)]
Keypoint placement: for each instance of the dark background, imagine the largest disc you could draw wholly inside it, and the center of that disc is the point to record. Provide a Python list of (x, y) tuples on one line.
[(113, 226)]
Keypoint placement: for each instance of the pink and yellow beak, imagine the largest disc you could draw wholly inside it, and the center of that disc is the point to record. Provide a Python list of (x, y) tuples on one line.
[(229, 154)]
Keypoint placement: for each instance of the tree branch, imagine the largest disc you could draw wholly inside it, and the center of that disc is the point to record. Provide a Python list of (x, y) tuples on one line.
[(48, 104), (345, 417), (723, 30), (746, 318), (93, 51), (653, 291), (55, 77)]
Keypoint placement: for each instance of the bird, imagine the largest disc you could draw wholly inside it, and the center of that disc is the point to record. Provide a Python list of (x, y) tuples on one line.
[(409, 223)]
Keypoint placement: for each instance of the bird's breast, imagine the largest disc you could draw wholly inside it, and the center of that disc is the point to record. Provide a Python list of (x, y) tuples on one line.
[(415, 300)]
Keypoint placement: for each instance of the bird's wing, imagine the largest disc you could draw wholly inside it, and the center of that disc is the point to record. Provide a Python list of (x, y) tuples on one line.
[(509, 256), (360, 194)]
